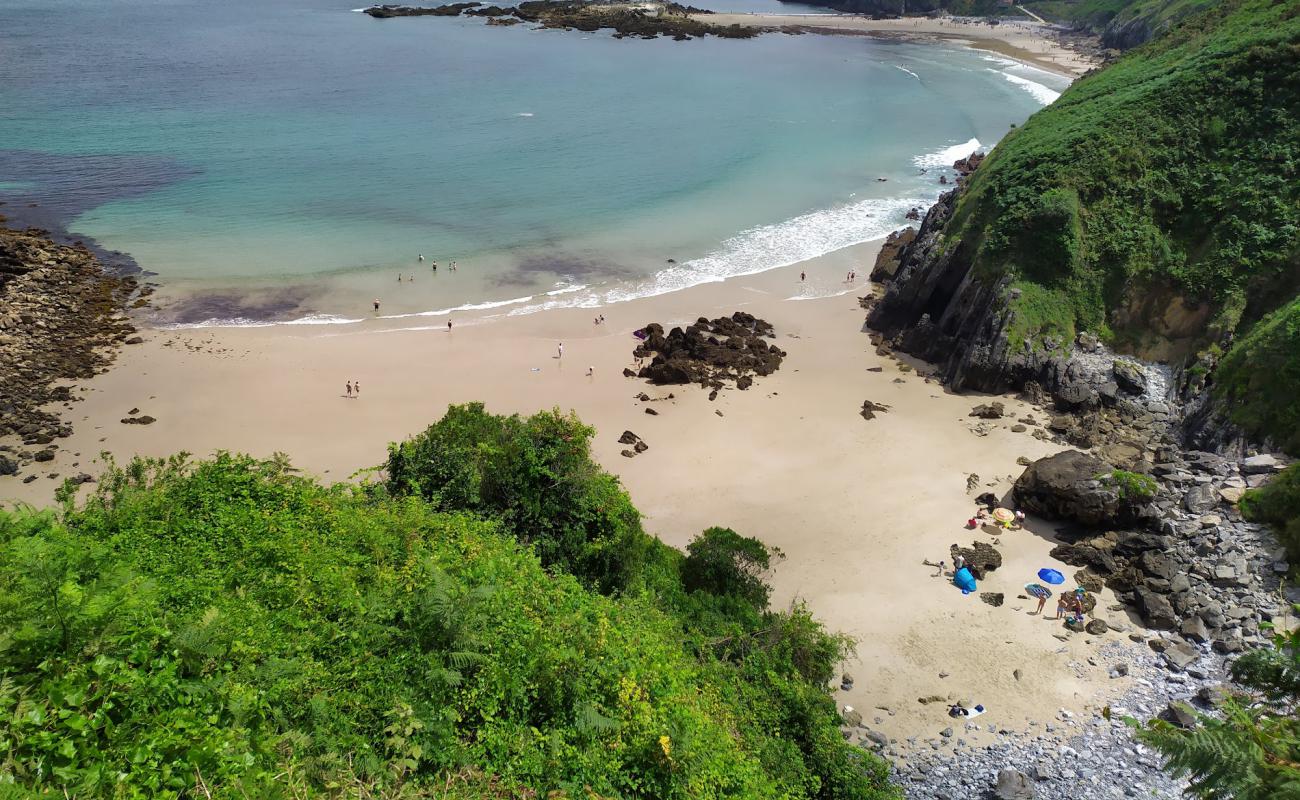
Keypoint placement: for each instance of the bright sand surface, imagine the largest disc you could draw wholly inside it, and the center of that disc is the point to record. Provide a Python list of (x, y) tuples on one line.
[(1030, 42), (855, 505)]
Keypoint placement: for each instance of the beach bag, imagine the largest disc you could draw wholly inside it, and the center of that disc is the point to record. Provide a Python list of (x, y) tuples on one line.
[(964, 580)]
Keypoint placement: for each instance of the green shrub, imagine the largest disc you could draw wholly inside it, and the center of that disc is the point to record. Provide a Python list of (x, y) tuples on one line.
[(1259, 378), (1278, 503), (228, 628), (536, 475), (1250, 750), (1131, 485)]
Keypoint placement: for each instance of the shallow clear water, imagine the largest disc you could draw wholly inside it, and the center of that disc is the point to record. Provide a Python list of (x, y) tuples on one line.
[(278, 159)]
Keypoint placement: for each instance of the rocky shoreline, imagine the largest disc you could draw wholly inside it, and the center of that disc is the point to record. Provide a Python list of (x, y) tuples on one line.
[(62, 319), (645, 21), (1142, 510)]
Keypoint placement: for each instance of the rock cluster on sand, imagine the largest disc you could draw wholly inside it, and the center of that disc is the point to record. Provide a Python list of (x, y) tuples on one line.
[(60, 320), (710, 352)]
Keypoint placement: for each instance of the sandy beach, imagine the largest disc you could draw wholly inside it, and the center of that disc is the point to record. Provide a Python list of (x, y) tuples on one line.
[(856, 505), (1030, 42)]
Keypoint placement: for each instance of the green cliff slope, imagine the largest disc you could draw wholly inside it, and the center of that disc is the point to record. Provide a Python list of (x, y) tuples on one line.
[(1157, 203)]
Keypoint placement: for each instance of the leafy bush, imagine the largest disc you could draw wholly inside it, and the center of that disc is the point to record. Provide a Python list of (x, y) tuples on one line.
[(1259, 378), (1131, 485), (1278, 503), (229, 629), (722, 562), (536, 475)]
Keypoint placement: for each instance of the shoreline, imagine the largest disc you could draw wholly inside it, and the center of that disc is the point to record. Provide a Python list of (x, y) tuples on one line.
[(855, 536), (1026, 42)]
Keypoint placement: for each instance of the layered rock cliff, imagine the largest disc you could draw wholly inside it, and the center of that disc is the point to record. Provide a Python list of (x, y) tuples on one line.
[(1155, 208)]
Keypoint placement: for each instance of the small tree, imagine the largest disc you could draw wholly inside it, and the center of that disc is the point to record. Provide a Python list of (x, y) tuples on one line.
[(722, 562), (1253, 751)]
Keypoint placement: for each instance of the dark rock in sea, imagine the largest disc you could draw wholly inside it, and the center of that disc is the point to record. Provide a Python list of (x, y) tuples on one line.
[(627, 454), (640, 446), (388, 11), (628, 437)]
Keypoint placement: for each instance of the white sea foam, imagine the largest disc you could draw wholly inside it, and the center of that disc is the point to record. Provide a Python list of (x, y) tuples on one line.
[(945, 157), (524, 114), (465, 307), (1040, 92), (758, 249), (578, 287), (322, 319), (908, 71), (218, 322)]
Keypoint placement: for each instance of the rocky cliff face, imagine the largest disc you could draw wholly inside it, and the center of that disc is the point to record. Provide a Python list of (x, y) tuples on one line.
[(935, 308)]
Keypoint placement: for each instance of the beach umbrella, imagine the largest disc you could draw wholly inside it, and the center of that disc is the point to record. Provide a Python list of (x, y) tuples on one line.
[(1004, 515), (1050, 576)]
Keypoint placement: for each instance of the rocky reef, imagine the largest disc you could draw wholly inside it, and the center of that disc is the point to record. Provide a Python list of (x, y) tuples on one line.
[(639, 20), (61, 320), (710, 352)]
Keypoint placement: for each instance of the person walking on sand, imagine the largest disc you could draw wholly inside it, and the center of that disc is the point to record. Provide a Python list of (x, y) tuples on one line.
[(559, 351), (803, 276), (591, 372), (448, 326), (356, 389), (349, 389)]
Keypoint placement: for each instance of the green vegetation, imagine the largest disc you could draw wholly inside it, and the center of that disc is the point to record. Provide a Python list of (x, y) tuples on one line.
[(229, 629), (1175, 167), (1259, 379), (1039, 313), (1131, 485), (1278, 503), (1095, 15), (1251, 752)]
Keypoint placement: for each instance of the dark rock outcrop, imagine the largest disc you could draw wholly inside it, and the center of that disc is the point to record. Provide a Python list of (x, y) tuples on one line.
[(1069, 486), (61, 319), (710, 352)]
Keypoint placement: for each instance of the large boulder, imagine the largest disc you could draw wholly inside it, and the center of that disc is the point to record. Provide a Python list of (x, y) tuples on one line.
[(1155, 609), (1069, 486), (1129, 376), (1013, 785)]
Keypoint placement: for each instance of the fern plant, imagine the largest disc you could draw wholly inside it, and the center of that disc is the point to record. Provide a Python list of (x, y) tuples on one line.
[(1251, 752)]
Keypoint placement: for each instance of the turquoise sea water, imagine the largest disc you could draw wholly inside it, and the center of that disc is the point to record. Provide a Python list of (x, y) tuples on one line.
[(275, 159)]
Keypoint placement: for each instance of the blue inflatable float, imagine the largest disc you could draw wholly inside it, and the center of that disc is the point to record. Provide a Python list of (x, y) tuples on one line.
[(964, 580)]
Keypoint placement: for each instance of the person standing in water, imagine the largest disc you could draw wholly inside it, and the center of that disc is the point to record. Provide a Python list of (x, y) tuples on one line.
[(422, 258), (376, 305), (802, 276)]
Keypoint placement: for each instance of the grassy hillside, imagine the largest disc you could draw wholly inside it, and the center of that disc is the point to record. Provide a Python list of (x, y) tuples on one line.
[(1157, 202), (229, 629)]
